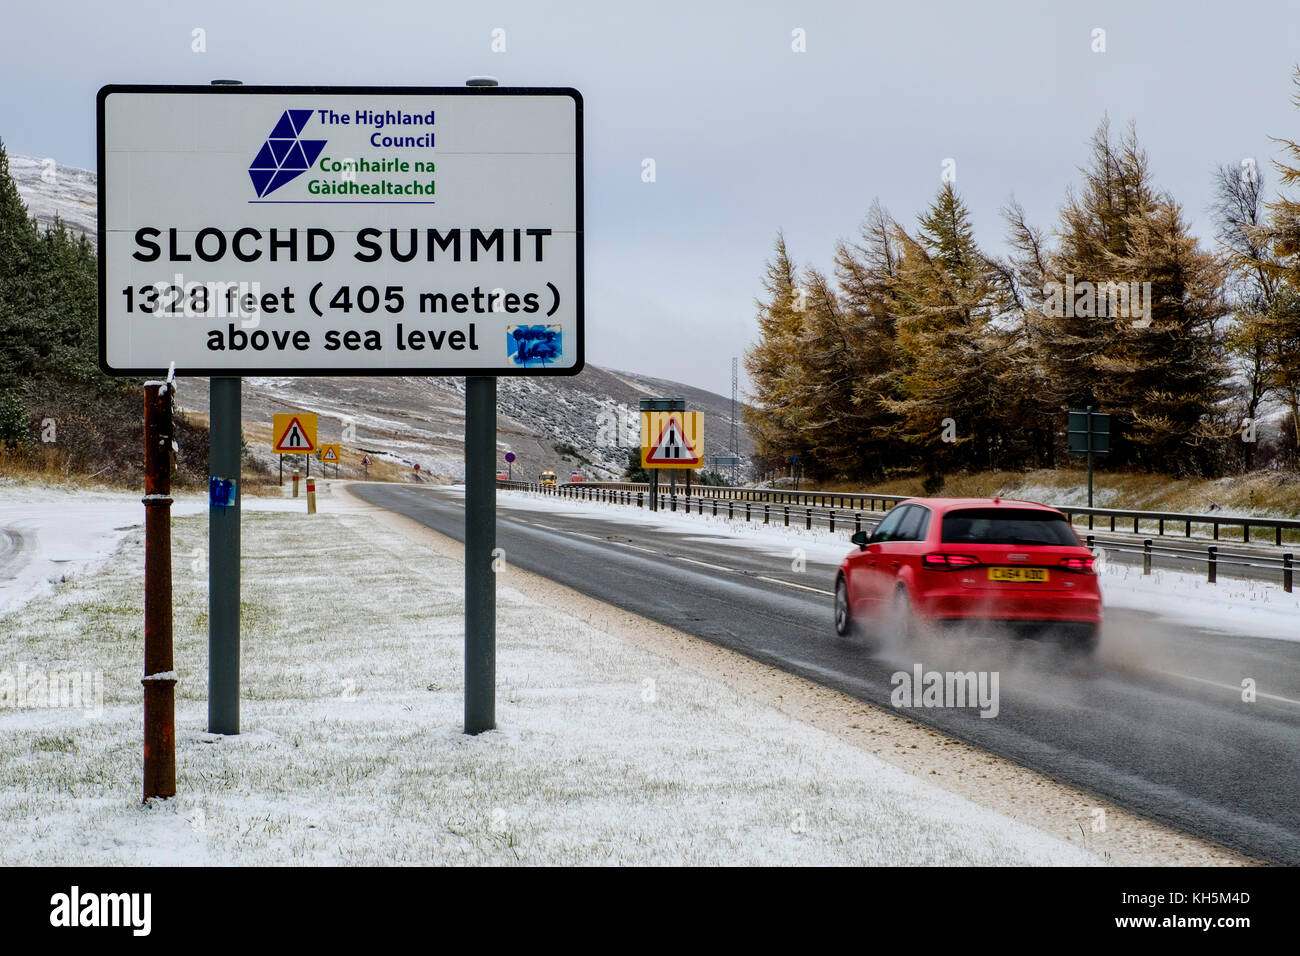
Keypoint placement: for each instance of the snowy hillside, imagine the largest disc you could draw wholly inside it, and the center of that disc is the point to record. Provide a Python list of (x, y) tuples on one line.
[(51, 189)]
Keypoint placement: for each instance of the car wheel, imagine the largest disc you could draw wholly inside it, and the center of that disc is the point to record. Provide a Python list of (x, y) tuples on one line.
[(843, 618), (902, 618)]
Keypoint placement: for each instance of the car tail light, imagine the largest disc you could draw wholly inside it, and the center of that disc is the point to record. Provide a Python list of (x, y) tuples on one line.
[(948, 562), (1081, 564)]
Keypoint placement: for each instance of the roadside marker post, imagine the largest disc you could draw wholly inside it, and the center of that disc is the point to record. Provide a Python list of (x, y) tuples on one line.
[(311, 496), (159, 678)]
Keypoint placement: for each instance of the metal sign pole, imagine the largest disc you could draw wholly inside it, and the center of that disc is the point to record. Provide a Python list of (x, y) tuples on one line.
[(480, 542), (1089, 456), (224, 432)]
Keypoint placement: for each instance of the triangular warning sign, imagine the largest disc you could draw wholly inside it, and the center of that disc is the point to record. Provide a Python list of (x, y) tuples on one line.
[(330, 454), (294, 438), (672, 448)]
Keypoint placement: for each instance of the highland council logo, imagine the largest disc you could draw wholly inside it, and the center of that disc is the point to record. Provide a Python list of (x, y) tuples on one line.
[(285, 155)]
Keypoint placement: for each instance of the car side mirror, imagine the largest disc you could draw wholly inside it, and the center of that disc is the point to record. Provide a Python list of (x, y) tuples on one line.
[(860, 539)]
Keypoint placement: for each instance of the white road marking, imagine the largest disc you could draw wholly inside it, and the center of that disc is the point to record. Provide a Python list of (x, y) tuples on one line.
[(705, 564), (791, 584), (1232, 687)]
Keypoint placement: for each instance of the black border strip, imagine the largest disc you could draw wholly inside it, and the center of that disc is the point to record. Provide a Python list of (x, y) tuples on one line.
[(438, 371)]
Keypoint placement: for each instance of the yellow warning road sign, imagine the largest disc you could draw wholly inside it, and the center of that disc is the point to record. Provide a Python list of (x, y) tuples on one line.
[(331, 453), (672, 439), (294, 433)]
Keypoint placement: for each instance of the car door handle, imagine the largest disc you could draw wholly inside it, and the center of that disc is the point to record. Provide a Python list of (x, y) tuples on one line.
[(895, 564)]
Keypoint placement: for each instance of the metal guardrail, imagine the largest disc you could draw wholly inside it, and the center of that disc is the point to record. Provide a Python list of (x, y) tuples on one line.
[(1161, 518), (1213, 559), (1163, 521), (835, 508)]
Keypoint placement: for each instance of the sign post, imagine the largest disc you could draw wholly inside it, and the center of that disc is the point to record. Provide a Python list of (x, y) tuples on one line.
[(225, 462), (224, 452), (480, 541), (318, 230)]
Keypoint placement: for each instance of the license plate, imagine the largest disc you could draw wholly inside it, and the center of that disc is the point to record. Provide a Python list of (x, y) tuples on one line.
[(1020, 575)]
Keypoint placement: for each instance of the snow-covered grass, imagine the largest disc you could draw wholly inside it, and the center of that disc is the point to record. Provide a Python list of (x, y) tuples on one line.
[(48, 535), (1253, 608), (352, 751), (1230, 605)]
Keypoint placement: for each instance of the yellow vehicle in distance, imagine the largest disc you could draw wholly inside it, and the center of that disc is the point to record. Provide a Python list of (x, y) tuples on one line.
[(548, 479)]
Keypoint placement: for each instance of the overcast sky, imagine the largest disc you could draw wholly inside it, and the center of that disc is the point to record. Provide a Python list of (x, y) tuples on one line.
[(747, 135)]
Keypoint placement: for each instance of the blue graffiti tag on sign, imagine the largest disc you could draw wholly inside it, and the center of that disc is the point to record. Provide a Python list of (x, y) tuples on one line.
[(531, 346)]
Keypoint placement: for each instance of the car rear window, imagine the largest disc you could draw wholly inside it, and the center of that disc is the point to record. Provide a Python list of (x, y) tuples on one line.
[(1007, 526)]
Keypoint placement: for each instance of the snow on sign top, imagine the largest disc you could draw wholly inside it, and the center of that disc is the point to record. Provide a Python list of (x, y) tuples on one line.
[(250, 230), (672, 439)]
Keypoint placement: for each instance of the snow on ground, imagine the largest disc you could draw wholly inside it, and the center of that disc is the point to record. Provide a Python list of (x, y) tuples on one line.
[(352, 751), (48, 535), (1235, 606), (1252, 608)]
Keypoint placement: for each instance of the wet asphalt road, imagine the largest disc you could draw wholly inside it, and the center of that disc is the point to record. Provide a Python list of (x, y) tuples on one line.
[(1155, 722)]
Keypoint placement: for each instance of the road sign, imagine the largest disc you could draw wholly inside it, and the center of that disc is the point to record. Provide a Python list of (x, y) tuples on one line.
[(294, 433), (510, 456), (672, 439), (725, 460), (331, 453), (340, 230), (1085, 423)]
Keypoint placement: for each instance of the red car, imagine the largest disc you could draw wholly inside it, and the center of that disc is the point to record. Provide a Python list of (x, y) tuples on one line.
[(971, 559)]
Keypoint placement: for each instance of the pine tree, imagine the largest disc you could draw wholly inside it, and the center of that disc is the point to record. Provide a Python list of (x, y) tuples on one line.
[(948, 298), (1279, 258), (19, 281), (867, 272), (774, 366), (1168, 377), (1154, 363)]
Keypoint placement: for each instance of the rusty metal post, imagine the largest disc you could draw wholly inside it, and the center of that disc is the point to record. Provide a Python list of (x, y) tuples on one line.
[(159, 668)]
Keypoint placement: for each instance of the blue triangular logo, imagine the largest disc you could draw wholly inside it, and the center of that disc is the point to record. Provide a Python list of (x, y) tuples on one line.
[(284, 157)]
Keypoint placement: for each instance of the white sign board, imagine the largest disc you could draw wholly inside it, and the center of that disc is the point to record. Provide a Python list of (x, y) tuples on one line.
[(337, 230)]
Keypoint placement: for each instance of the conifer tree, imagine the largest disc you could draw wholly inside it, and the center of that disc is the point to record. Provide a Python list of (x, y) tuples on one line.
[(775, 371), (1153, 362), (1279, 258), (948, 296)]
